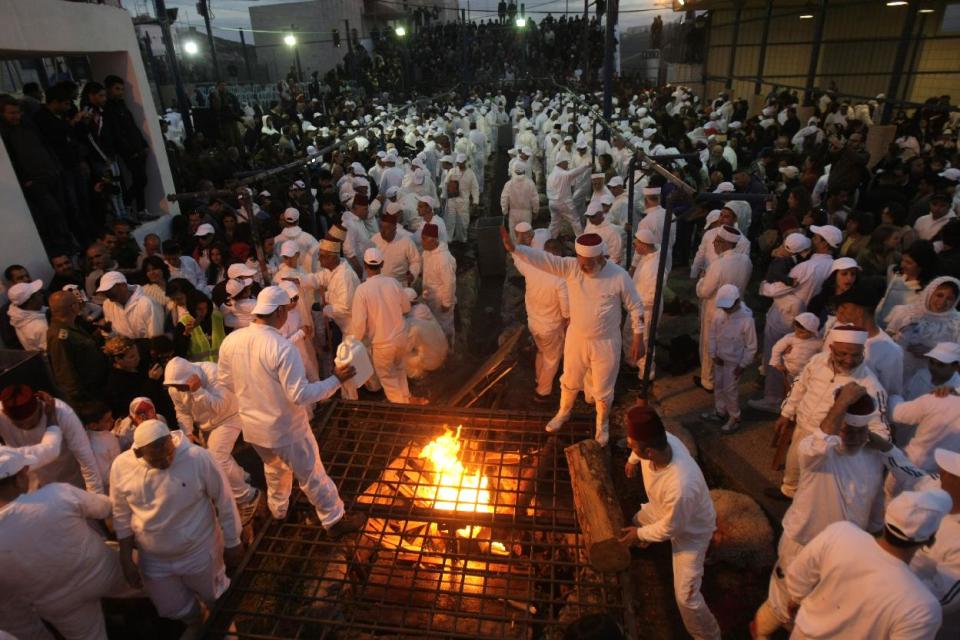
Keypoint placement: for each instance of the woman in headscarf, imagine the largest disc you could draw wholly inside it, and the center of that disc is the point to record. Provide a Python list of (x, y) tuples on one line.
[(934, 318), (906, 280)]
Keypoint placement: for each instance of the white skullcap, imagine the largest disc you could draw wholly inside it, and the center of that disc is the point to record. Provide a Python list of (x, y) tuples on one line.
[(291, 214), (727, 295), (645, 236), (523, 227), (589, 245), (520, 167), (269, 300), (615, 181), (725, 187), (149, 431)]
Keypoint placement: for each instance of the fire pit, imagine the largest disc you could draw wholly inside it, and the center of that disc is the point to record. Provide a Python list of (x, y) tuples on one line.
[(471, 533)]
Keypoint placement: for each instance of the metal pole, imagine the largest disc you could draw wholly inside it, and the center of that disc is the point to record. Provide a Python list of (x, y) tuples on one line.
[(246, 56), (296, 56), (815, 51), (183, 102), (631, 187), (657, 299), (762, 58), (608, 47), (205, 6), (902, 48), (731, 64), (917, 44), (585, 39)]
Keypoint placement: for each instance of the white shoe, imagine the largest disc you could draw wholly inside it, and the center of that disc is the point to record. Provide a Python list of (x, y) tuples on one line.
[(556, 423)]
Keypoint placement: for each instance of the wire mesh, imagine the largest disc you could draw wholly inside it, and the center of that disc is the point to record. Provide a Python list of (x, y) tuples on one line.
[(502, 560)]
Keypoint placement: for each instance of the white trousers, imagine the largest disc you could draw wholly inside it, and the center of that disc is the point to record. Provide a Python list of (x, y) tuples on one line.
[(458, 218), (726, 390), (707, 309), (388, 363), (791, 471), (688, 555), (779, 323), (479, 164), (175, 593), (300, 460), (560, 212), (444, 318), (220, 442), (78, 617), (549, 351), (592, 365), (778, 598)]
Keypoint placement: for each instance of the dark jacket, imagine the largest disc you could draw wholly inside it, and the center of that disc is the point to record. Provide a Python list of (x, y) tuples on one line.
[(79, 367), (126, 134), (123, 386)]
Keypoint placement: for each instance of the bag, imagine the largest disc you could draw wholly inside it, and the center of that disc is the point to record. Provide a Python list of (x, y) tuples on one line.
[(453, 188)]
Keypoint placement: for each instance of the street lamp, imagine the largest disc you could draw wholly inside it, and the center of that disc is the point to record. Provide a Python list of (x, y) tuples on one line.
[(190, 47), (291, 41), (521, 22), (400, 31)]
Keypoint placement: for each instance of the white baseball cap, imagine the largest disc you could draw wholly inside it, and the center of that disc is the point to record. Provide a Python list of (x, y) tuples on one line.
[(727, 295), (110, 279), (947, 460), (149, 431), (289, 249), (269, 299), (808, 321), (615, 181), (372, 256), (206, 229), (832, 235), (22, 291), (461, 158), (914, 516), (945, 352), (291, 288), (240, 270), (236, 285), (842, 264), (796, 243), (291, 215)]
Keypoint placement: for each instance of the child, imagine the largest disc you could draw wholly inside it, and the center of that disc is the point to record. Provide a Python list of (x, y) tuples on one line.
[(791, 353), (98, 421), (733, 345), (941, 371), (141, 409)]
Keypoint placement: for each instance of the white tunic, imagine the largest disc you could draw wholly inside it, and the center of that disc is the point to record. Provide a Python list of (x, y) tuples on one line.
[(653, 221), (340, 284), (188, 270), (595, 300), (733, 337), (848, 587), (545, 297), (927, 228), (560, 182), (378, 308), (306, 242), (706, 253), (801, 351), (168, 511), (400, 256), (75, 460), (939, 567), (922, 383), (938, 425), (441, 230), (358, 238), (834, 486), (440, 277), (678, 497), (210, 406), (519, 194), (30, 326), (266, 374), (141, 317)]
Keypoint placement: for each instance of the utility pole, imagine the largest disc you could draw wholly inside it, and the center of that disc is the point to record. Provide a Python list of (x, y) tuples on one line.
[(610, 45), (203, 6), (246, 56), (183, 102)]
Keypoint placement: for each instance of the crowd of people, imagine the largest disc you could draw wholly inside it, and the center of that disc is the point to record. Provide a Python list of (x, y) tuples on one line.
[(167, 351)]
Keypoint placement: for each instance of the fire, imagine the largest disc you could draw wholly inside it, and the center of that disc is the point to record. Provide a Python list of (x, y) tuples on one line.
[(453, 489)]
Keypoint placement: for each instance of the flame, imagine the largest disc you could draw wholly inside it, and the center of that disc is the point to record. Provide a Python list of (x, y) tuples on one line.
[(454, 489)]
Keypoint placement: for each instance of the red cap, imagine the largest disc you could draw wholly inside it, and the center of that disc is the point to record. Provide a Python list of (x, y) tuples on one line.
[(19, 401), (430, 231), (389, 217), (239, 251), (644, 425)]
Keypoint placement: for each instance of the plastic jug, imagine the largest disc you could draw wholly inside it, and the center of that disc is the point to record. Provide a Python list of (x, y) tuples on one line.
[(353, 352)]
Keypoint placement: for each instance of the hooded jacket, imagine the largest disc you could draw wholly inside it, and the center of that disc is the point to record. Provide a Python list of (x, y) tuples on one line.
[(31, 327), (210, 406)]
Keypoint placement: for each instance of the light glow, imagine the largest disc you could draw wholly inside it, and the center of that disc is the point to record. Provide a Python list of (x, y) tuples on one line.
[(190, 47), (400, 31), (290, 40), (521, 23)]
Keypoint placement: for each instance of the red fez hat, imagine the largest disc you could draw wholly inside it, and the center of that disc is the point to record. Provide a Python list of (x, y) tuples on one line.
[(430, 231), (360, 199), (644, 425), (389, 217), (19, 401)]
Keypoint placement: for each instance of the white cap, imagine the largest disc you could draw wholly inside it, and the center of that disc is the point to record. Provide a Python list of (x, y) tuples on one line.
[(291, 288), (264, 194), (372, 256), (947, 460), (562, 156), (392, 191), (606, 199), (178, 371), (448, 159), (597, 176), (110, 279), (727, 295), (645, 236), (523, 227), (914, 516), (832, 235), (206, 229), (520, 167), (149, 431), (796, 243), (461, 158), (236, 285), (289, 249), (615, 181), (11, 462), (945, 352), (393, 208), (842, 264), (790, 172), (269, 299), (725, 187), (240, 270), (21, 292), (593, 209), (291, 214), (426, 200), (358, 169), (582, 144), (712, 217), (808, 321)]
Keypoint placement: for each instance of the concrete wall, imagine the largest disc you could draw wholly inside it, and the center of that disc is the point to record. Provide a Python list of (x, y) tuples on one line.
[(860, 39), (106, 35)]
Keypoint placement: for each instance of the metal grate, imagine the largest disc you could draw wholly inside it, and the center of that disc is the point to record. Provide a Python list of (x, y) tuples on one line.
[(409, 574)]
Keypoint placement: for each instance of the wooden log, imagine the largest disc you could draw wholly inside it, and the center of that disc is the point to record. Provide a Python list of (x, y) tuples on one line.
[(598, 511)]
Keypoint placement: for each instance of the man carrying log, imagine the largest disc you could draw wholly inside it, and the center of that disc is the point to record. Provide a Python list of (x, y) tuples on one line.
[(679, 510)]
